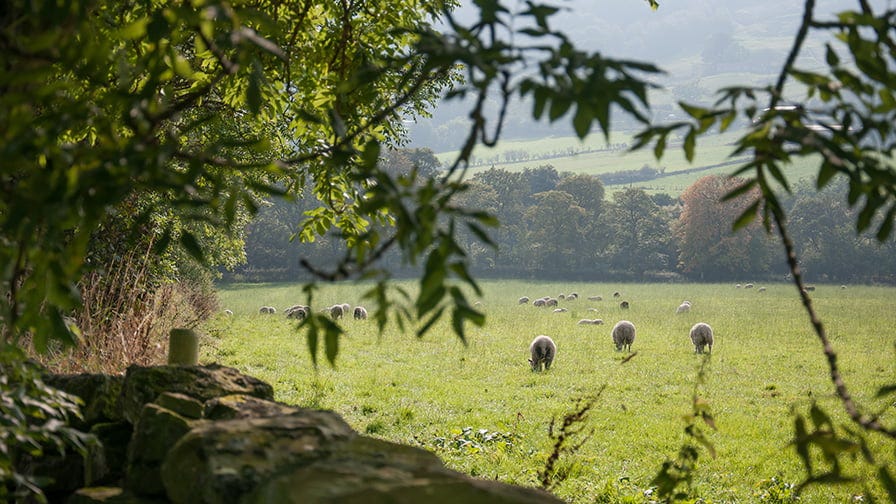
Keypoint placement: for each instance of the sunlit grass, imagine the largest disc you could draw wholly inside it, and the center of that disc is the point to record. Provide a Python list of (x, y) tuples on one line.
[(766, 364)]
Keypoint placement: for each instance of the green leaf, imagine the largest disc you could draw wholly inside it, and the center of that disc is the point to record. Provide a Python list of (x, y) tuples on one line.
[(189, 242), (331, 342), (690, 141), (748, 216), (582, 121)]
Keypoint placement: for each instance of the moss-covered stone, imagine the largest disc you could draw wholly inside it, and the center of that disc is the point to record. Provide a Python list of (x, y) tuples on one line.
[(181, 404), (143, 385), (100, 394), (114, 438), (225, 460), (157, 430), (109, 495), (243, 406)]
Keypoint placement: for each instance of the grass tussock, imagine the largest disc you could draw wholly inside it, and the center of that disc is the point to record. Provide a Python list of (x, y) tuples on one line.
[(124, 323)]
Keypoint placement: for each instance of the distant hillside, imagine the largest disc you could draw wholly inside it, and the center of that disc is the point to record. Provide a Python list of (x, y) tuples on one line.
[(701, 44)]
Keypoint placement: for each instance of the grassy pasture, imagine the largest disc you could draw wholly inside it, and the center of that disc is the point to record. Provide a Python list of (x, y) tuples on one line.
[(766, 364)]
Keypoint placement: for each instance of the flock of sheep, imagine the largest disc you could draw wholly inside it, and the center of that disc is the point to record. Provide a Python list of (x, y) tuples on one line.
[(301, 312), (543, 349)]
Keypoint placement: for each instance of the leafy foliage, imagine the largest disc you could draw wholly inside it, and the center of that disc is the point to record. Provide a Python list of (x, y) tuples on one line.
[(34, 421)]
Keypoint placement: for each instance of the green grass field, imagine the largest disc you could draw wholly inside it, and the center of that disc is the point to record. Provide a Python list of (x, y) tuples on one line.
[(766, 365)]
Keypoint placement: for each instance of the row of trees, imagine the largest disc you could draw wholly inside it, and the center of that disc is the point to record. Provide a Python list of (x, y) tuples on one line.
[(567, 225)]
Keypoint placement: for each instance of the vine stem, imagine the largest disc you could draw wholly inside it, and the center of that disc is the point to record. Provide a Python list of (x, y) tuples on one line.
[(869, 423)]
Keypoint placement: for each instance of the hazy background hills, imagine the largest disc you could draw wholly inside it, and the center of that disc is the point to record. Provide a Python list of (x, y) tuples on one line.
[(702, 45)]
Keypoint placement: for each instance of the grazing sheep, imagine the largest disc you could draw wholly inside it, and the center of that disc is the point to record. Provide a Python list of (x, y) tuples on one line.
[(267, 309), (683, 308), (560, 310), (360, 313), (701, 336), (843, 287), (623, 305), (586, 321), (229, 313), (623, 335), (538, 303), (346, 308), (337, 311), (543, 350), (300, 312), (595, 298), (551, 302), (616, 294), (737, 286), (598, 321), (561, 296), (572, 297), (523, 300), (761, 289), (748, 286)]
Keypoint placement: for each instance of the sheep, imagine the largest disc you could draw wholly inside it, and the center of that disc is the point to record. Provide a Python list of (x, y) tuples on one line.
[(683, 308), (591, 322), (551, 302), (810, 288), (761, 289), (267, 309), (595, 298), (543, 350), (538, 303), (584, 321), (624, 305), (738, 286), (560, 310), (701, 336), (346, 308), (598, 321), (623, 335), (360, 313), (523, 300), (337, 311), (842, 287), (561, 296), (748, 286), (300, 312), (228, 312), (572, 297), (616, 294)]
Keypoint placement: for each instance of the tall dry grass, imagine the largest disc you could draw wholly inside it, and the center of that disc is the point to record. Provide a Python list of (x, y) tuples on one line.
[(126, 316)]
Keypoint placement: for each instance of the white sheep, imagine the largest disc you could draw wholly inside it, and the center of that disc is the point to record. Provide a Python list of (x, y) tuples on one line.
[(560, 310), (346, 308), (228, 312), (360, 313), (572, 297), (300, 312), (538, 303), (551, 302), (748, 286), (523, 300), (337, 311), (623, 335), (701, 336), (267, 309), (595, 298), (591, 322), (761, 289), (584, 321), (542, 351), (683, 308)]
